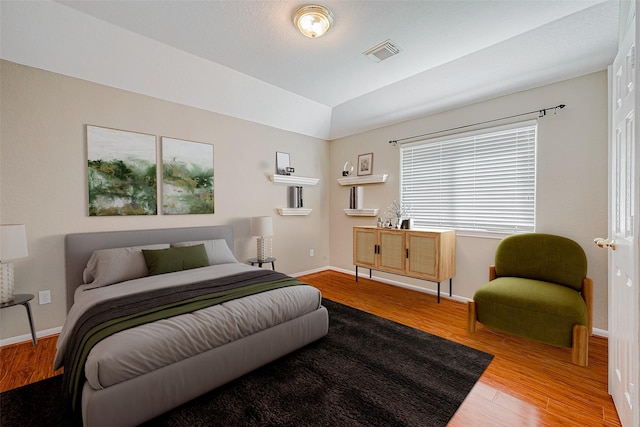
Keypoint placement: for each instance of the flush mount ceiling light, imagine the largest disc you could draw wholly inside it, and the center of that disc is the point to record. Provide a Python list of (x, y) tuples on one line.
[(313, 20)]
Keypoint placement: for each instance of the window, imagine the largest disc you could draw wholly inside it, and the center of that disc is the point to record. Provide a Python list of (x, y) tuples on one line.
[(480, 182)]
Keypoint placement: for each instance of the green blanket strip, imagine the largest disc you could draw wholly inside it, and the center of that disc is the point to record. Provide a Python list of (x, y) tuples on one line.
[(113, 326)]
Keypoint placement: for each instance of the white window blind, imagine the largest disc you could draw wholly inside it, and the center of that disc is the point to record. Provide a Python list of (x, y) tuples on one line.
[(481, 181)]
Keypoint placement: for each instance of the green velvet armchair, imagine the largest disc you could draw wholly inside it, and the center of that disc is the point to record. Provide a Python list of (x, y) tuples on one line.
[(538, 289)]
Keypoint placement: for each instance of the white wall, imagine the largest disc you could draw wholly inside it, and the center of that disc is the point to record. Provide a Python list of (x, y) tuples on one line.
[(43, 178), (571, 179)]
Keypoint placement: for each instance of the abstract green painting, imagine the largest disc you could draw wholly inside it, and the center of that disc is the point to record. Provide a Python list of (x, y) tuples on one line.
[(187, 177), (122, 172)]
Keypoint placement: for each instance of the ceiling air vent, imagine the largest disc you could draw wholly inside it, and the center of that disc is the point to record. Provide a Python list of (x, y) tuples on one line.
[(382, 51)]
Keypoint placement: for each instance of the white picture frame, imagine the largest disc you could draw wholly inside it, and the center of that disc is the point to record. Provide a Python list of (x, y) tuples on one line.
[(282, 163), (365, 164)]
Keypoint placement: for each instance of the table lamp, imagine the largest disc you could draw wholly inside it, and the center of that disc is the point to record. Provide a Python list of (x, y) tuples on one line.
[(262, 226), (13, 245)]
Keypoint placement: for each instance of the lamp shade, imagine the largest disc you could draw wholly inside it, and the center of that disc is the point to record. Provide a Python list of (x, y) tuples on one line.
[(13, 242), (261, 226)]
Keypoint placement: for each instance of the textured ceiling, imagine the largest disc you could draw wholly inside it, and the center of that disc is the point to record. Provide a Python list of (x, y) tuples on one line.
[(453, 52)]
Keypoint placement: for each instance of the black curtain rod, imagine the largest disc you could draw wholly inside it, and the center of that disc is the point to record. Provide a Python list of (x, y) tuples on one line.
[(541, 113)]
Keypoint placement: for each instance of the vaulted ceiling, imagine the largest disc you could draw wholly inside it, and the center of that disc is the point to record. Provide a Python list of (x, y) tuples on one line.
[(452, 52)]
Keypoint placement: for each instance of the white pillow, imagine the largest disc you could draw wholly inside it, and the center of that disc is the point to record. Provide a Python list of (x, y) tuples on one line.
[(109, 266), (218, 251)]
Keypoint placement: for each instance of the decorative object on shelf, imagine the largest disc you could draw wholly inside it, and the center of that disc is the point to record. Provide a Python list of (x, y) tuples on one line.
[(283, 166), (365, 164), (121, 172), (295, 197), (356, 197), (262, 226), (407, 224), (313, 20), (187, 177), (13, 245), (347, 169), (396, 211)]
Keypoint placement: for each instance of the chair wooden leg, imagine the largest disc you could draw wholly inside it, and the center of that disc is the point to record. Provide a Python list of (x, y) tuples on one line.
[(471, 316), (580, 345)]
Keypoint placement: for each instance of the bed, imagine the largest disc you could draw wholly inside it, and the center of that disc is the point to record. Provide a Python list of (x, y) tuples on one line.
[(133, 370)]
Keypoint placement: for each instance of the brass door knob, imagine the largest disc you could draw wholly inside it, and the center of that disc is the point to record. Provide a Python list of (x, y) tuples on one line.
[(605, 243)]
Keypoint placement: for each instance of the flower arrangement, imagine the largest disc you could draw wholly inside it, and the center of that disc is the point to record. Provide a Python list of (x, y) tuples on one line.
[(397, 211)]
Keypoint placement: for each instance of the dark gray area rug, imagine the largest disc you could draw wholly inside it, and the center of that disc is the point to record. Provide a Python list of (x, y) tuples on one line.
[(368, 371)]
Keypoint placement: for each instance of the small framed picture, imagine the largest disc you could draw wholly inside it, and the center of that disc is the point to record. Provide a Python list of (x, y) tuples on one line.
[(365, 164), (282, 163)]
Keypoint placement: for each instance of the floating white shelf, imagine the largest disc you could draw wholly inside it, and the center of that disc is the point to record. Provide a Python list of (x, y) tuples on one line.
[(367, 179), (291, 179), (361, 212), (294, 211)]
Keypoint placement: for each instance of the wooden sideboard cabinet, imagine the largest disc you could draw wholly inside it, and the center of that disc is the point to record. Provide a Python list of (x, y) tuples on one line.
[(422, 254)]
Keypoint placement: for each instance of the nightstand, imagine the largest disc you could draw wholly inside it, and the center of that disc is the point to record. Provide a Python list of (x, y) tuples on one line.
[(270, 259), (23, 299)]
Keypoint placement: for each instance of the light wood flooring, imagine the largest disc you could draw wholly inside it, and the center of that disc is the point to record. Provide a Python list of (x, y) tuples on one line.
[(526, 384)]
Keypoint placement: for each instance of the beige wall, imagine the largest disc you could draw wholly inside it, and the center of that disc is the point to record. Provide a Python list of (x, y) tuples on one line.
[(571, 178), (43, 180)]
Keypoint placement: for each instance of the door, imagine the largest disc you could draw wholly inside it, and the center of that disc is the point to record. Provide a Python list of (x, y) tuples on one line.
[(623, 234)]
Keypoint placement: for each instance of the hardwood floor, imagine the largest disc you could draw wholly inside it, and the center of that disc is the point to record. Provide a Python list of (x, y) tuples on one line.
[(526, 384), (24, 363)]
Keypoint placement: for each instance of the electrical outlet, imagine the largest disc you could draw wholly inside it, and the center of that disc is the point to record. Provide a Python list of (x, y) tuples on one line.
[(311, 252), (44, 297)]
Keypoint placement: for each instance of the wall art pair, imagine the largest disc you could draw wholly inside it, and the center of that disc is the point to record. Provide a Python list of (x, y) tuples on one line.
[(122, 174)]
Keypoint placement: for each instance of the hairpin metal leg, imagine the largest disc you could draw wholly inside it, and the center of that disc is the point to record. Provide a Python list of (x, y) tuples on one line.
[(27, 306)]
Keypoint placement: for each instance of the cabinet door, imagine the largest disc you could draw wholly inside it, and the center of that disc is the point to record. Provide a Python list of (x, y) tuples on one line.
[(364, 247), (392, 253), (423, 255)]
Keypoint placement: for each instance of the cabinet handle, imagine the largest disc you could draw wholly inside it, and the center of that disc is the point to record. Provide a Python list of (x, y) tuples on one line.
[(407, 255)]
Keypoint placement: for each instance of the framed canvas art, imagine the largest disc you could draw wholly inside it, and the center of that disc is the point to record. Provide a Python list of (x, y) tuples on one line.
[(365, 164), (187, 177), (121, 172)]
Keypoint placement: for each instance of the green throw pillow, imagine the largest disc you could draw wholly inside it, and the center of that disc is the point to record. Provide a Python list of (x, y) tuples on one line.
[(163, 261)]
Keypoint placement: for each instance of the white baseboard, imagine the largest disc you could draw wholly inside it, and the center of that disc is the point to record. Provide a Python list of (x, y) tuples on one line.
[(601, 333), (27, 337)]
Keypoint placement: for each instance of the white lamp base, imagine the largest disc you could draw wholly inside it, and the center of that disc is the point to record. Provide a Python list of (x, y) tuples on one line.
[(264, 248), (6, 282)]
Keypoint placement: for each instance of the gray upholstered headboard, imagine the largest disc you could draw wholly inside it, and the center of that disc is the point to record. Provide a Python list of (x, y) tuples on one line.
[(79, 247)]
